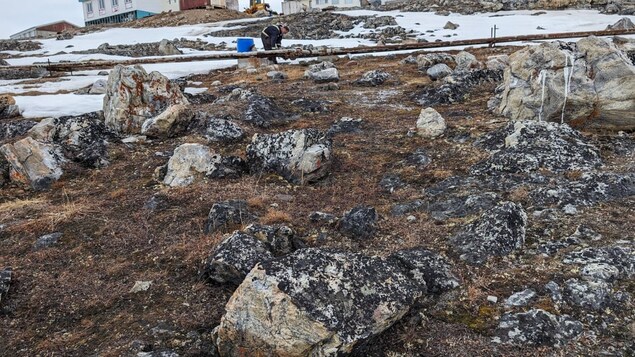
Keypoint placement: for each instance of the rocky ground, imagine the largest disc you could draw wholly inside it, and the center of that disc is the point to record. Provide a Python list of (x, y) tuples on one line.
[(394, 208), (623, 7)]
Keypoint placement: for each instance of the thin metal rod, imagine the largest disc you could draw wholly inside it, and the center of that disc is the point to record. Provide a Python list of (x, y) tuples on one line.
[(97, 64)]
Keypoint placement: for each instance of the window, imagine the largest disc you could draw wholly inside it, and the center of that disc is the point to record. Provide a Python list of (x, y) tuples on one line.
[(102, 4), (89, 7), (335, 2), (128, 1), (115, 3)]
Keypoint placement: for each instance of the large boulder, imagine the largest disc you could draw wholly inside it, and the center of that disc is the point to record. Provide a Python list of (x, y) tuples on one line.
[(82, 139), (529, 146), (33, 163), (300, 156), (589, 84), (134, 96), (8, 108), (498, 232), (314, 303)]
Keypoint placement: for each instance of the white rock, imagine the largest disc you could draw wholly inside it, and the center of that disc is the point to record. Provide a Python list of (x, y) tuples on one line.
[(430, 123), (188, 162), (140, 286)]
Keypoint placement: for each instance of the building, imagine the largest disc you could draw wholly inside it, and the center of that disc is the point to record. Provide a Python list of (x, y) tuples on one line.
[(295, 6), (43, 31), (112, 11)]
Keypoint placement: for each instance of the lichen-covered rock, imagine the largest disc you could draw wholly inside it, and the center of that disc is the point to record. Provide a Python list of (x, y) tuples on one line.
[(617, 261), (456, 87), (373, 78), (588, 190), (83, 139), (47, 240), (235, 257), (345, 125), (587, 84), (263, 111), (520, 298), (99, 87), (167, 48), (278, 239), (526, 146), (313, 303), (430, 123), (498, 232), (300, 156), (497, 63), (8, 108), (438, 71), (465, 61), (452, 206), (188, 162), (322, 72), (419, 158), (33, 163), (5, 282), (228, 214), (323, 76), (169, 123), (5, 169), (360, 222), (594, 295), (537, 328), (133, 96), (11, 128), (622, 24), (222, 130), (427, 268), (425, 61)]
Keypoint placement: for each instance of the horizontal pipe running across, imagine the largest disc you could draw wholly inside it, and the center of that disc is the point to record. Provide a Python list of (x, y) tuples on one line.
[(299, 53)]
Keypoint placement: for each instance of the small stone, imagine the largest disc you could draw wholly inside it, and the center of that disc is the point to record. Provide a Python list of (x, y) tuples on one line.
[(47, 240), (411, 219), (521, 298), (492, 299), (570, 209), (451, 26), (140, 286)]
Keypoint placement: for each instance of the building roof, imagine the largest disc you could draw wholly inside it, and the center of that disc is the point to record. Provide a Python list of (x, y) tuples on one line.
[(44, 25)]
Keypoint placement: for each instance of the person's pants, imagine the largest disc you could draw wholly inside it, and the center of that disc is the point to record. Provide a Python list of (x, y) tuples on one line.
[(268, 47)]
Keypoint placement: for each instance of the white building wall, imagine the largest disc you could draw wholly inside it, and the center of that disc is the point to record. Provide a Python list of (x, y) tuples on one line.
[(296, 6), (110, 9), (319, 4), (157, 6)]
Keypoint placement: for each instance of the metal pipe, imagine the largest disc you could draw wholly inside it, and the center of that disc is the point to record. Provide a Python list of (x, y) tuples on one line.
[(300, 53)]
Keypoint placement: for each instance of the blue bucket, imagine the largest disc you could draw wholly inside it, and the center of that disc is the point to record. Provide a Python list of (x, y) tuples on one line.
[(244, 44)]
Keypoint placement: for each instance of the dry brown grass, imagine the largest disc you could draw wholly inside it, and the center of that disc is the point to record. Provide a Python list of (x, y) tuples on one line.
[(21, 204), (274, 216)]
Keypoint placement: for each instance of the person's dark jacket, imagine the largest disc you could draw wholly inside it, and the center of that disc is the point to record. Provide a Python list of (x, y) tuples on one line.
[(271, 37)]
